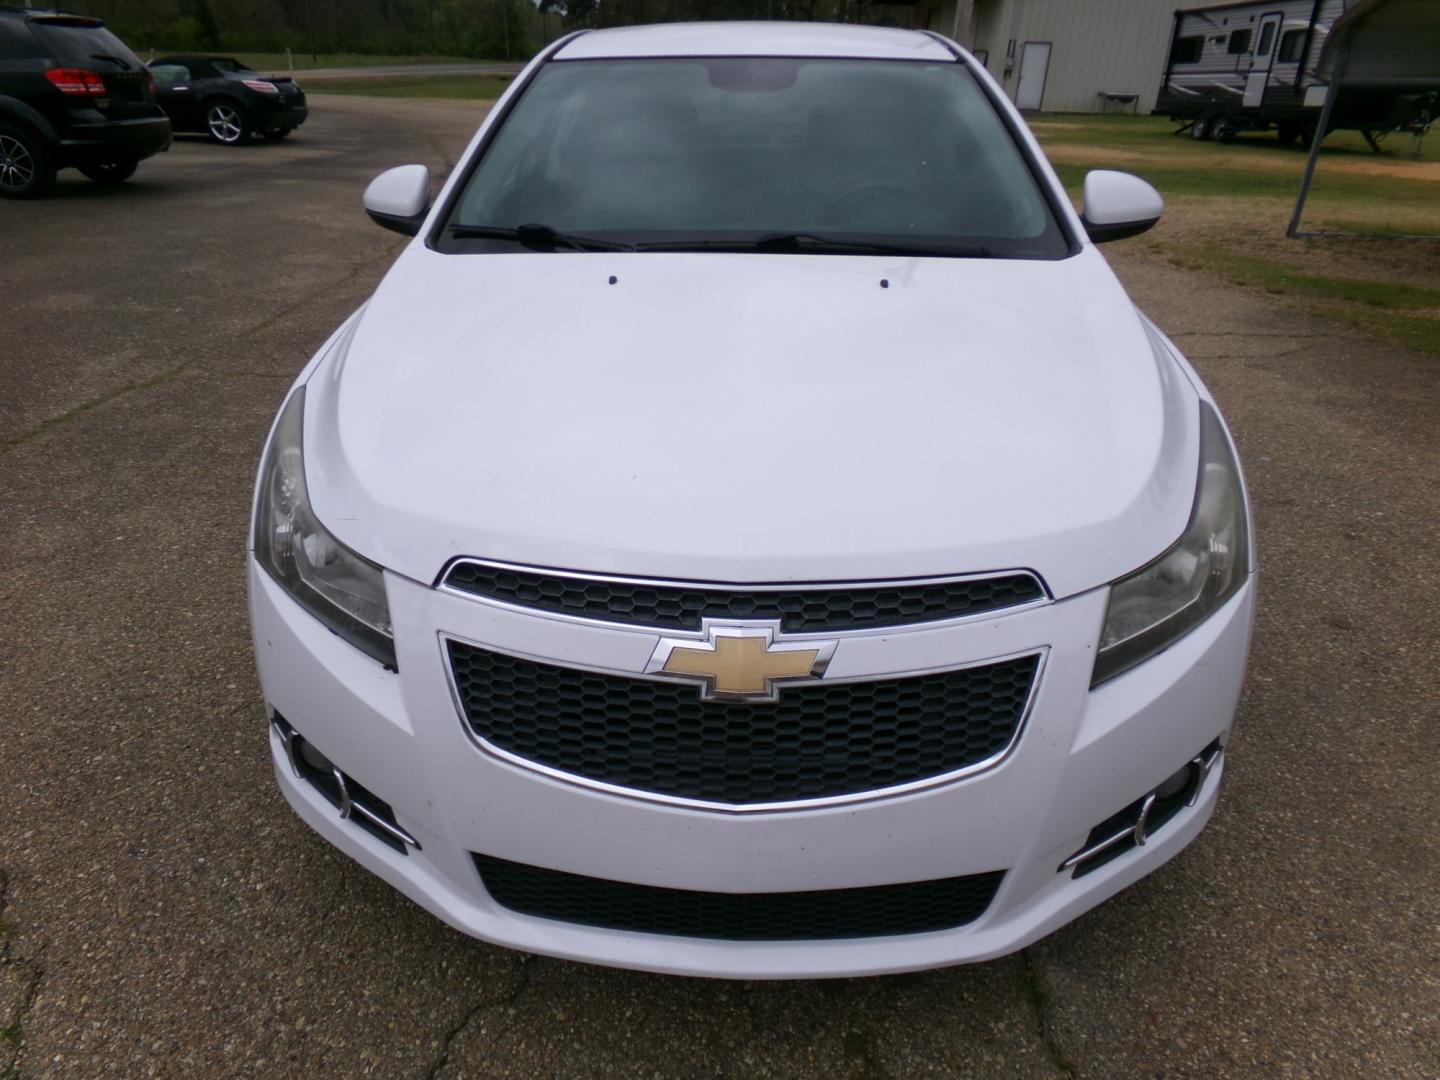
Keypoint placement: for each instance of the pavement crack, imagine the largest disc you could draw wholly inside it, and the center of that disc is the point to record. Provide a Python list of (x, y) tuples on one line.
[(78, 410), (215, 373), (1033, 989), (521, 971), (336, 898), (12, 1027), (443, 154), (355, 270)]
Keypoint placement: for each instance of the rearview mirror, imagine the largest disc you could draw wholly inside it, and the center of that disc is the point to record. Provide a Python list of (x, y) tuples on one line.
[(398, 198), (1118, 205)]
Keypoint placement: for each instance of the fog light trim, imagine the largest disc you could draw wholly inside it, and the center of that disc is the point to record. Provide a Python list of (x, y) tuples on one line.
[(355, 802), (1132, 826)]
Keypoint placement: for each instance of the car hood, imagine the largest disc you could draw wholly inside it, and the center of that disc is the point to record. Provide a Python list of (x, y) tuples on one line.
[(753, 418)]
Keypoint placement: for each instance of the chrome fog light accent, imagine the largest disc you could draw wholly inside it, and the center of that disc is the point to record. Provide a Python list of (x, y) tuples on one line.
[(1133, 826), (354, 801)]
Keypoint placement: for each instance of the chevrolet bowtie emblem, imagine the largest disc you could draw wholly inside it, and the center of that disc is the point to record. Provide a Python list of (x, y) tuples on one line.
[(740, 662)]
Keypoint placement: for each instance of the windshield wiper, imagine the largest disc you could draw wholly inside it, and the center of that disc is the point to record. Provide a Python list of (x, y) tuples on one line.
[(811, 242), (124, 64), (538, 237), (787, 242)]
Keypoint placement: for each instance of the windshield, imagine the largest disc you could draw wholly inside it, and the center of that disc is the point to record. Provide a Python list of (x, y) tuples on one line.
[(741, 153)]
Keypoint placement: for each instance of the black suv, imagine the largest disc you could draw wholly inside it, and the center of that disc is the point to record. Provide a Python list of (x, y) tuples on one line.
[(220, 96), (71, 95)]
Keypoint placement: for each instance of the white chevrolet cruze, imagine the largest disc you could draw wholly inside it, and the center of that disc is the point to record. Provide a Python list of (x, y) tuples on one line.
[(750, 532)]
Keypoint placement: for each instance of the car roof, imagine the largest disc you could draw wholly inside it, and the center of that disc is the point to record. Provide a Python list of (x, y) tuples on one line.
[(756, 39)]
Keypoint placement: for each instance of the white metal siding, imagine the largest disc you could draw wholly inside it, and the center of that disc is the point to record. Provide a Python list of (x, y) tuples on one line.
[(1099, 45), (1118, 45)]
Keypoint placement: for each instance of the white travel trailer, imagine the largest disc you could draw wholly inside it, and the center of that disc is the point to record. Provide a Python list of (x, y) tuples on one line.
[(1252, 66)]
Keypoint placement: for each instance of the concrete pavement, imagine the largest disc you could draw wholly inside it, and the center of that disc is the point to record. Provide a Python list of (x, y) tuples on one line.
[(163, 913)]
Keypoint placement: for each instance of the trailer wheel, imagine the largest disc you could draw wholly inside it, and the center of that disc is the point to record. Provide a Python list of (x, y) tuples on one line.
[(1221, 130), (1200, 129), (1286, 134)]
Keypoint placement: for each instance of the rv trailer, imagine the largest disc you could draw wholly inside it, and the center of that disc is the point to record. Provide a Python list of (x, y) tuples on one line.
[(1253, 66)]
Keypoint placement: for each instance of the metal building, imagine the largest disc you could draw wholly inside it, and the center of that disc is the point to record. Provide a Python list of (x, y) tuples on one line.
[(1064, 55)]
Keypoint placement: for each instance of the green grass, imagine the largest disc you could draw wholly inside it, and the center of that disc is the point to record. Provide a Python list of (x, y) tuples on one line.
[(1142, 133), (1236, 182), (1405, 314), (1254, 164), (1384, 295), (1227, 206), (458, 88), (1346, 192)]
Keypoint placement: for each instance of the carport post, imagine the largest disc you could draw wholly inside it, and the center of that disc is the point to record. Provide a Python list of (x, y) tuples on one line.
[(1331, 93)]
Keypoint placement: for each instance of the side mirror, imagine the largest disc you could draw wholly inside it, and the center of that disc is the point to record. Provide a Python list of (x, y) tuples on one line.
[(398, 198), (1118, 205)]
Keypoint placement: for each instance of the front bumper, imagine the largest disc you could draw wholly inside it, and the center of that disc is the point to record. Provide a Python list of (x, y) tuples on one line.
[(1082, 756), (280, 116)]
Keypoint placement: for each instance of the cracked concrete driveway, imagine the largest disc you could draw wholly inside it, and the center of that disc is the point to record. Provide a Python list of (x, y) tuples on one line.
[(163, 913)]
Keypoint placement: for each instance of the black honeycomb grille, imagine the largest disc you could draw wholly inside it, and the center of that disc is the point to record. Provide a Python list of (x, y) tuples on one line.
[(813, 608), (817, 741), (878, 911)]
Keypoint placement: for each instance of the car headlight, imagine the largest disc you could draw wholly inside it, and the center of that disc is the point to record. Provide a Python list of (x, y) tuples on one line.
[(340, 588), (1159, 603)]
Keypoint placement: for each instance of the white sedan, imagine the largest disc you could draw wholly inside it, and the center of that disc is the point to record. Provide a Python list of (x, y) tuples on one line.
[(750, 532)]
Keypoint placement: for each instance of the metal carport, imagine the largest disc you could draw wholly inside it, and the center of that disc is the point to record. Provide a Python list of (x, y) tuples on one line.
[(1391, 44)]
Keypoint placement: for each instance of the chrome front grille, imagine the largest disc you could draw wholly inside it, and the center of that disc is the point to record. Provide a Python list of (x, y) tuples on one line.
[(807, 608)]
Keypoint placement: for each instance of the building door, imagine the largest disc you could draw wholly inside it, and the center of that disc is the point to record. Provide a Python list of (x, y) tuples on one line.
[(1034, 65), (1266, 45)]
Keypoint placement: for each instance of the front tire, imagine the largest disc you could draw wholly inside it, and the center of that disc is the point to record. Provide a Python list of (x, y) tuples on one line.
[(110, 172), (26, 170), (226, 123)]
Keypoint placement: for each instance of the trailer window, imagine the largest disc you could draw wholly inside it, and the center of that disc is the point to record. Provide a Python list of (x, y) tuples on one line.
[(1187, 50), (1292, 45), (1239, 41), (1267, 38)]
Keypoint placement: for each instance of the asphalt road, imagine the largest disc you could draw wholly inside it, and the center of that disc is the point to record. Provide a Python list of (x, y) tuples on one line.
[(165, 914)]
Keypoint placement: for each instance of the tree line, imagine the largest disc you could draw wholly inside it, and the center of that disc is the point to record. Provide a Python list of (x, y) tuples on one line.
[(493, 29)]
